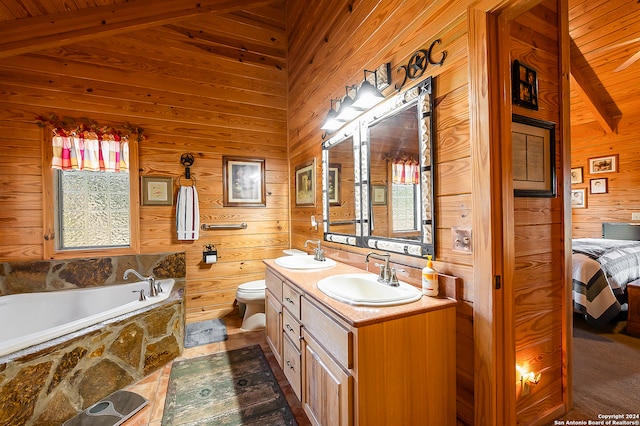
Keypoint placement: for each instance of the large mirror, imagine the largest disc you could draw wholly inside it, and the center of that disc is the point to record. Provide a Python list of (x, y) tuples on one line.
[(394, 187)]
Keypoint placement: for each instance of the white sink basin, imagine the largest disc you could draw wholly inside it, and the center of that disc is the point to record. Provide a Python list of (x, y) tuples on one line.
[(365, 290), (304, 262)]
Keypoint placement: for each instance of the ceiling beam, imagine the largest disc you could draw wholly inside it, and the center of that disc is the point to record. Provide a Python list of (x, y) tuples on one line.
[(581, 84), (590, 98), (40, 32)]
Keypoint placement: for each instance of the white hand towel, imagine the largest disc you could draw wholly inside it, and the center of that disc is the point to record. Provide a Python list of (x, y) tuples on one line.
[(187, 213)]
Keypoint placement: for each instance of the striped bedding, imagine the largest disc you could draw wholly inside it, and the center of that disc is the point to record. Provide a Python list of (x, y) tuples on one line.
[(601, 270)]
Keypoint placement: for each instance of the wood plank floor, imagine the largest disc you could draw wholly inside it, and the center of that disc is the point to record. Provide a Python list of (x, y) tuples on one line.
[(154, 386)]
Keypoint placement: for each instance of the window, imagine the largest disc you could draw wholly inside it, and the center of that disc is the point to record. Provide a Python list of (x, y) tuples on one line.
[(92, 209), (89, 213)]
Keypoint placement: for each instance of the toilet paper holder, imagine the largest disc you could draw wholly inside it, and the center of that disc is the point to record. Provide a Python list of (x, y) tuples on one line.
[(209, 254)]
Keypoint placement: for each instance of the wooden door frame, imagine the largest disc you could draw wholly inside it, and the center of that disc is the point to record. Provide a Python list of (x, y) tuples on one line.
[(492, 200)]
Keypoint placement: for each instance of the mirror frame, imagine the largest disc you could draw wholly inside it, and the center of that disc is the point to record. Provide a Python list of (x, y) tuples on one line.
[(422, 96)]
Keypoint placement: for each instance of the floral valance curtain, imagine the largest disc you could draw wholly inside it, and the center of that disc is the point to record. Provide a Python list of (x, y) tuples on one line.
[(406, 171), (90, 151)]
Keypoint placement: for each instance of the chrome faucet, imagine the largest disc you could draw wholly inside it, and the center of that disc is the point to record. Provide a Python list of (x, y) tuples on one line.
[(154, 288), (387, 275), (319, 253)]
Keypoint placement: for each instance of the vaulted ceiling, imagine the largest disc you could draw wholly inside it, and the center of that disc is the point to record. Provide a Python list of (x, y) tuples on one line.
[(605, 41)]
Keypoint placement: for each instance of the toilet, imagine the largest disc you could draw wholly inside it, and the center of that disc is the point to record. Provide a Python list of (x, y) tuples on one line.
[(250, 297)]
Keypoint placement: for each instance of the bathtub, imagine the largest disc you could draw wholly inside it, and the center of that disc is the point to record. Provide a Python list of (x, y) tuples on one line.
[(32, 318)]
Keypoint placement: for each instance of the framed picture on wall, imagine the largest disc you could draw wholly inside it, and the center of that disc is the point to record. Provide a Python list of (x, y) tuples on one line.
[(378, 195), (306, 184), (334, 184), (579, 198), (577, 175), (534, 160), (598, 186), (603, 164), (156, 190), (243, 182), (524, 86)]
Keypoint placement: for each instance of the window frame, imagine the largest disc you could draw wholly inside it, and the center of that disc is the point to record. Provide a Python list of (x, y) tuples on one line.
[(49, 193)]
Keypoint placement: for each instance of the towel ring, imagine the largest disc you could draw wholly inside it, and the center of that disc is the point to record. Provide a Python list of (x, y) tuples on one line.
[(193, 178)]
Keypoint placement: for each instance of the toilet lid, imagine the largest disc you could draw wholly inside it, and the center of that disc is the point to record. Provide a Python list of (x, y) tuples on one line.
[(253, 286)]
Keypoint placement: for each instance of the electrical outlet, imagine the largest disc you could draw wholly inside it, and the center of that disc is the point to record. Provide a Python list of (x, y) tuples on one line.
[(635, 216)]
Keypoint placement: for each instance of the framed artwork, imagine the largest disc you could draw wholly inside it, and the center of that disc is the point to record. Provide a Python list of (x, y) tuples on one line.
[(243, 182), (598, 186), (603, 164), (577, 175), (156, 191), (334, 185), (306, 184), (534, 160), (524, 86), (379, 195), (579, 198)]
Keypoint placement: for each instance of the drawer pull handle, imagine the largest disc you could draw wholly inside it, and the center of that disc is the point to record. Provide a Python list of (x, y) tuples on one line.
[(289, 300), (289, 364), (300, 337), (288, 327)]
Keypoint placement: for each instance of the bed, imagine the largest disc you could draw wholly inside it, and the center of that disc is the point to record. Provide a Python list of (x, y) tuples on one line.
[(602, 268)]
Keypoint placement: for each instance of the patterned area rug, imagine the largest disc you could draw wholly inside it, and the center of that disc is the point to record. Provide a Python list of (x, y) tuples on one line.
[(227, 388), (204, 332)]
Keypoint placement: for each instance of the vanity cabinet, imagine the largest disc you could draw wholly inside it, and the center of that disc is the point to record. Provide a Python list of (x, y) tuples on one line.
[(273, 314), (364, 365)]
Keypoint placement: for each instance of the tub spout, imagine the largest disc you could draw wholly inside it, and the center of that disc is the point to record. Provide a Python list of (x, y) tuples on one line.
[(153, 287)]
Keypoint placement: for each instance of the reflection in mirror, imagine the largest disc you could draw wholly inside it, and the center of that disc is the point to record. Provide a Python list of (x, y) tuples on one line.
[(340, 197), (394, 160)]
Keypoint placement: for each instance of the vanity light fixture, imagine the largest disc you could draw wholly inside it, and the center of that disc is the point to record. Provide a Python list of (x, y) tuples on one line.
[(331, 123), (368, 95), (348, 111)]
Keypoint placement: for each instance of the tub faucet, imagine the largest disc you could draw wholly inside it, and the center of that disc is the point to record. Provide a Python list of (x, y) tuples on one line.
[(386, 276), (153, 287), (319, 253)]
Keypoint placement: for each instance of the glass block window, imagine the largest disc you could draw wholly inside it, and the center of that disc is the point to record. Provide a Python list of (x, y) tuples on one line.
[(404, 205), (93, 209)]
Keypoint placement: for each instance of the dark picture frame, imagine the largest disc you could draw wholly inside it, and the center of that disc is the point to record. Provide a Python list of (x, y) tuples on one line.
[(243, 182), (156, 190), (524, 83), (534, 159), (334, 184), (599, 186), (306, 184)]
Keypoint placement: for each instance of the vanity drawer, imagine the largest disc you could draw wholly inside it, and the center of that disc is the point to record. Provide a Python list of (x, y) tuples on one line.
[(291, 300), (273, 283), (334, 337), (291, 327), (291, 366)]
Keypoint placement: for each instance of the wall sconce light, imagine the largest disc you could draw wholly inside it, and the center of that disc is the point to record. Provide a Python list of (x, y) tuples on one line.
[(331, 123), (347, 110), (528, 379), (368, 95)]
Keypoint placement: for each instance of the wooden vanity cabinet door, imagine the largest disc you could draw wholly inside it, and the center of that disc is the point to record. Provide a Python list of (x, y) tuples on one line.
[(273, 314), (327, 394), (292, 366)]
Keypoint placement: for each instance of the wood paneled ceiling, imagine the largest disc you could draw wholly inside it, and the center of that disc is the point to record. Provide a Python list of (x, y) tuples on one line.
[(605, 40), (605, 62)]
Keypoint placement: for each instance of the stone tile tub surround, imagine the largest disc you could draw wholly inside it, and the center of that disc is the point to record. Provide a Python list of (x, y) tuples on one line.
[(50, 383)]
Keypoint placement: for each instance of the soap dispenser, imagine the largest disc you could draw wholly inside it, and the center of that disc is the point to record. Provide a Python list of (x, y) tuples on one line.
[(429, 279)]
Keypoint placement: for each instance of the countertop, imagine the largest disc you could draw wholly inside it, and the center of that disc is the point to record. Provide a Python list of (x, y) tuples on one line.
[(356, 316)]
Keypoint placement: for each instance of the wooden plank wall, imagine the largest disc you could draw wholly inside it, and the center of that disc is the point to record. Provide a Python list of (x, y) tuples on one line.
[(329, 47), (623, 196), (538, 231), (189, 94)]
